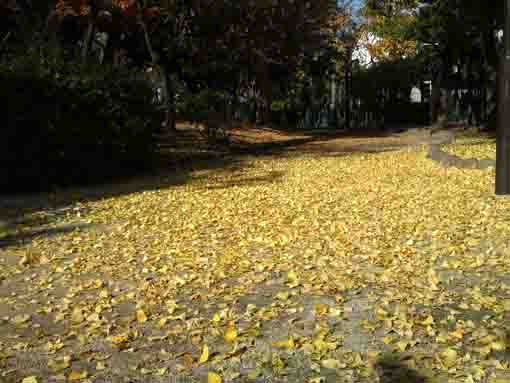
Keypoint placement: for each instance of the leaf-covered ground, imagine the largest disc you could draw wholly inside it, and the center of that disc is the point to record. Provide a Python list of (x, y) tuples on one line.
[(470, 145), (346, 267)]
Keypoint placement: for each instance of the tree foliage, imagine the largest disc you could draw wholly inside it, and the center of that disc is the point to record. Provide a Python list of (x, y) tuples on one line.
[(65, 124), (225, 45), (456, 43)]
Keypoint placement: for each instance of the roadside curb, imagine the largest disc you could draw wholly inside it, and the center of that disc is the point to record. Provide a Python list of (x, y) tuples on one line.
[(448, 160)]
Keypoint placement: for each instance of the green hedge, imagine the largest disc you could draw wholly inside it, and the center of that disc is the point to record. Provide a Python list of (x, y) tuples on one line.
[(64, 124)]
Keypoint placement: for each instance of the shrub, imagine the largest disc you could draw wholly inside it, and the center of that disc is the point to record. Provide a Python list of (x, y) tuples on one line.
[(64, 123)]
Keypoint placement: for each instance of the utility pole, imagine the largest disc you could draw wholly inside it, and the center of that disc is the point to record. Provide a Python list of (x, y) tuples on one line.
[(503, 132)]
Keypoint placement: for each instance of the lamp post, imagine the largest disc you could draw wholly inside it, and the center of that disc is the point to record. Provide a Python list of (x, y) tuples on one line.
[(435, 83), (503, 132)]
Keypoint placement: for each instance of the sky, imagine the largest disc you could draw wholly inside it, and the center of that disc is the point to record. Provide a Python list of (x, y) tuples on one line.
[(357, 3)]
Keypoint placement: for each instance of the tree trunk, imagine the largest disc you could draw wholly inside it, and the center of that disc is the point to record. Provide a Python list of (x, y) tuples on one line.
[(347, 96), (437, 98), (168, 91), (171, 117), (87, 41)]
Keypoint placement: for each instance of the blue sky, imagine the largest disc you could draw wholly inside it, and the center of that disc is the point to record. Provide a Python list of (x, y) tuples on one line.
[(357, 3)]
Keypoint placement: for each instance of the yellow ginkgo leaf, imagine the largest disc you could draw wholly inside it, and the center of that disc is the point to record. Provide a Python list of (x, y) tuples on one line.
[(321, 309), (253, 374), (141, 317), (402, 345), (449, 357), (498, 346), (428, 321), (335, 312), (317, 379), (332, 364), (60, 365), (77, 375), (20, 319), (288, 343), (487, 339), (213, 377), (188, 360), (205, 354), (292, 276), (381, 314), (30, 379), (283, 295), (277, 363), (119, 340), (94, 317), (230, 334), (459, 333), (77, 316)]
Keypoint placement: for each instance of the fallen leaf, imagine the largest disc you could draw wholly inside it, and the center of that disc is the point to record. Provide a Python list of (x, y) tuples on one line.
[(213, 377), (20, 319), (254, 374), (205, 354), (77, 316), (59, 365), (449, 357), (282, 295), (77, 375), (288, 344), (277, 362), (402, 345), (119, 340), (230, 334), (321, 309), (141, 317), (428, 321), (332, 364), (188, 361)]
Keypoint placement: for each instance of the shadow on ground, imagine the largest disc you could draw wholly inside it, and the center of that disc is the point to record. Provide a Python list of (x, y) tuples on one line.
[(270, 177), (25, 236), (393, 369), (184, 154), (168, 173)]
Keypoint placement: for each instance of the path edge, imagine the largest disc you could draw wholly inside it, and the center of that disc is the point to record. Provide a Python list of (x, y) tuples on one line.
[(447, 160)]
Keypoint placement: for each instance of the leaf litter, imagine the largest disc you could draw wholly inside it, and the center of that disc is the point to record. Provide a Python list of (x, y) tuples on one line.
[(317, 276)]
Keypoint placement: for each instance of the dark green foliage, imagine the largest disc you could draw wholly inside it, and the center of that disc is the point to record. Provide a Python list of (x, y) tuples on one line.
[(64, 124), (384, 90)]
